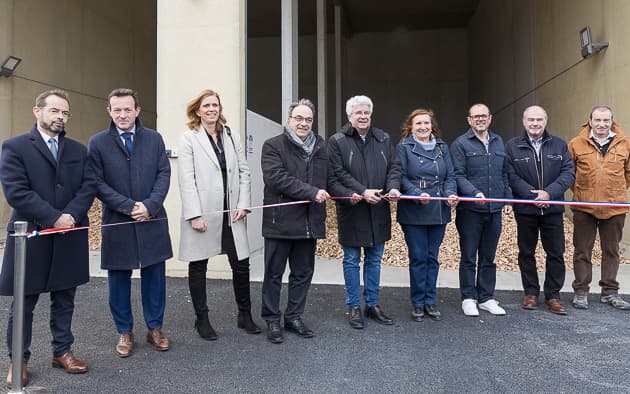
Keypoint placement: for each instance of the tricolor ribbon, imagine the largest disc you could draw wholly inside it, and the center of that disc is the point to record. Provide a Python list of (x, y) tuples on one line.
[(56, 230)]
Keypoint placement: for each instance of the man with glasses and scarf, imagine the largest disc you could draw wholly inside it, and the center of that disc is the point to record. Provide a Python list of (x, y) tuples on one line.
[(294, 167)]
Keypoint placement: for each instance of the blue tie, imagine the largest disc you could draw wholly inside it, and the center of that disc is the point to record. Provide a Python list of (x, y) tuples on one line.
[(53, 147), (128, 142)]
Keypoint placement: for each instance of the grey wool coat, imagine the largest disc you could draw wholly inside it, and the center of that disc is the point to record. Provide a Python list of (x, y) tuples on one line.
[(201, 189)]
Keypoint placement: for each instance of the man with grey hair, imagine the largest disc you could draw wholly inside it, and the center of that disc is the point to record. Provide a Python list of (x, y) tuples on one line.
[(294, 166), (601, 153), (529, 156), (365, 167)]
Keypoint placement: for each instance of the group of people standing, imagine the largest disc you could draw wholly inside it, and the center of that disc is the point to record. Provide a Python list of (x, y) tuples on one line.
[(51, 180)]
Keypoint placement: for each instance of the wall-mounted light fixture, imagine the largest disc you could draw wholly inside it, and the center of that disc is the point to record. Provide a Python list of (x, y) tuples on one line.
[(9, 66), (588, 46)]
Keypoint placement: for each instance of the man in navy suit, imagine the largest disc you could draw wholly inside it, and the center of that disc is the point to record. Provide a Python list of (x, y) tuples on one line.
[(44, 180), (132, 179)]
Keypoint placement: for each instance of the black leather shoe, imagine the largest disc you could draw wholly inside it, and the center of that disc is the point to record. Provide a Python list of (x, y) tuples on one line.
[(432, 311), (376, 313), (297, 326), (246, 322), (356, 319), (417, 313), (274, 334), (205, 330)]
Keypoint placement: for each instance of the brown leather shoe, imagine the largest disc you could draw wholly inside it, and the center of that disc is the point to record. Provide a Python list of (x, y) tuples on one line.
[(556, 307), (530, 302), (70, 363), (157, 340), (9, 381), (124, 347)]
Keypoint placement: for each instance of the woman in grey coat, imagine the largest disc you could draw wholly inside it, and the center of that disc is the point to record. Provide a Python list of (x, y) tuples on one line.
[(214, 178)]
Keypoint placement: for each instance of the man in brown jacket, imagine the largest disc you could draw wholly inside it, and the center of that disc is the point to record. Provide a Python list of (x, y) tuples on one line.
[(601, 153)]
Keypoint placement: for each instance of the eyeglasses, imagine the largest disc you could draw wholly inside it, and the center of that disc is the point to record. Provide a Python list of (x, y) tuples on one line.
[(479, 117), (55, 111), (301, 119)]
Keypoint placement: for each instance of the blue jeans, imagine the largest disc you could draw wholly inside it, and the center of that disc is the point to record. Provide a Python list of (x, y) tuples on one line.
[(478, 238), (371, 274), (423, 243)]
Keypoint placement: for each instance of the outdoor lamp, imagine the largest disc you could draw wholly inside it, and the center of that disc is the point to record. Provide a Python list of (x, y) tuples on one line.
[(9, 66), (588, 46)]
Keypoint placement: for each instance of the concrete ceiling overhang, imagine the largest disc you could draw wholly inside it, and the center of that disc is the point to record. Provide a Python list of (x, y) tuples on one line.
[(360, 16)]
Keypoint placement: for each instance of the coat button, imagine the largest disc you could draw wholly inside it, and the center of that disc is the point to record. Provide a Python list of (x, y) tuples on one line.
[(59, 186)]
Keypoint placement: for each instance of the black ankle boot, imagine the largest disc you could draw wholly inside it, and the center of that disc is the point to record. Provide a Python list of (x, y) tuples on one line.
[(204, 329), (246, 322)]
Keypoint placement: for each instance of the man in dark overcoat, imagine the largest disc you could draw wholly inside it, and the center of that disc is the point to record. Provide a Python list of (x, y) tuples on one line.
[(44, 180), (132, 179), (365, 167)]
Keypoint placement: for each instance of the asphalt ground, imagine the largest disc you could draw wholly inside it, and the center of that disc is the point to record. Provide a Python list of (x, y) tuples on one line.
[(523, 352)]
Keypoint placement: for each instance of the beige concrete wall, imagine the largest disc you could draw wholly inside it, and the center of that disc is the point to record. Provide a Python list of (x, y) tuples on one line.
[(501, 59), (88, 48), (601, 79), (85, 47), (6, 90), (200, 45)]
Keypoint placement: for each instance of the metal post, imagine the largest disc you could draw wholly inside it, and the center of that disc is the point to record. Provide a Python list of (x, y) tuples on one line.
[(321, 68), (19, 274), (289, 53), (338, 104)]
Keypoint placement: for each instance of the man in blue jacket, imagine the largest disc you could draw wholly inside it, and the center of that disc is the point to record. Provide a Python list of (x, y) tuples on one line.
[(133, 176), (540, 168), (480, 169), (45, 182)]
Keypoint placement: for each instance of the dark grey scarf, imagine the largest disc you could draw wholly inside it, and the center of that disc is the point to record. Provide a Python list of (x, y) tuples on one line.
[(308, 144)]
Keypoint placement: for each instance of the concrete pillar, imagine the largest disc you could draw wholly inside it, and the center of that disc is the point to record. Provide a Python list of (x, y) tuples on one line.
[(6, 87), (289, 53), (321, 68), (339, 111), (200, 45)]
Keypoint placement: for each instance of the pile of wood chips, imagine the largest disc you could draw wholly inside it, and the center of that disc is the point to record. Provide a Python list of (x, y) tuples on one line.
[(94, 233), (507, 251)]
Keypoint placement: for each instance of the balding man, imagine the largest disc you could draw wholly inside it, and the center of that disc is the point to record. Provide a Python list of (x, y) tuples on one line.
[(540, 168), (480, 169), (601, 153)]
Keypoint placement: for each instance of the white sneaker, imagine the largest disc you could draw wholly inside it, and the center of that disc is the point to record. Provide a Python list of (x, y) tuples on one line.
[(469, 306), (493, 307)]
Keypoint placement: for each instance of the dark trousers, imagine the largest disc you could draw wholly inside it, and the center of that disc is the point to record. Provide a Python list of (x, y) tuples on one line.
[(423, 243), (61, 309), (301, 256), (551, 229), (610, 232), (478, 238), (240, 276), (152, 289)]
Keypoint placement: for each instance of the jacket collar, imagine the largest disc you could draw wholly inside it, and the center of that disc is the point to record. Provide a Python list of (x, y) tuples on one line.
[(524, 139), (470, 134), (113, 132), (42, 146), (377, 133), (620, 134)]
